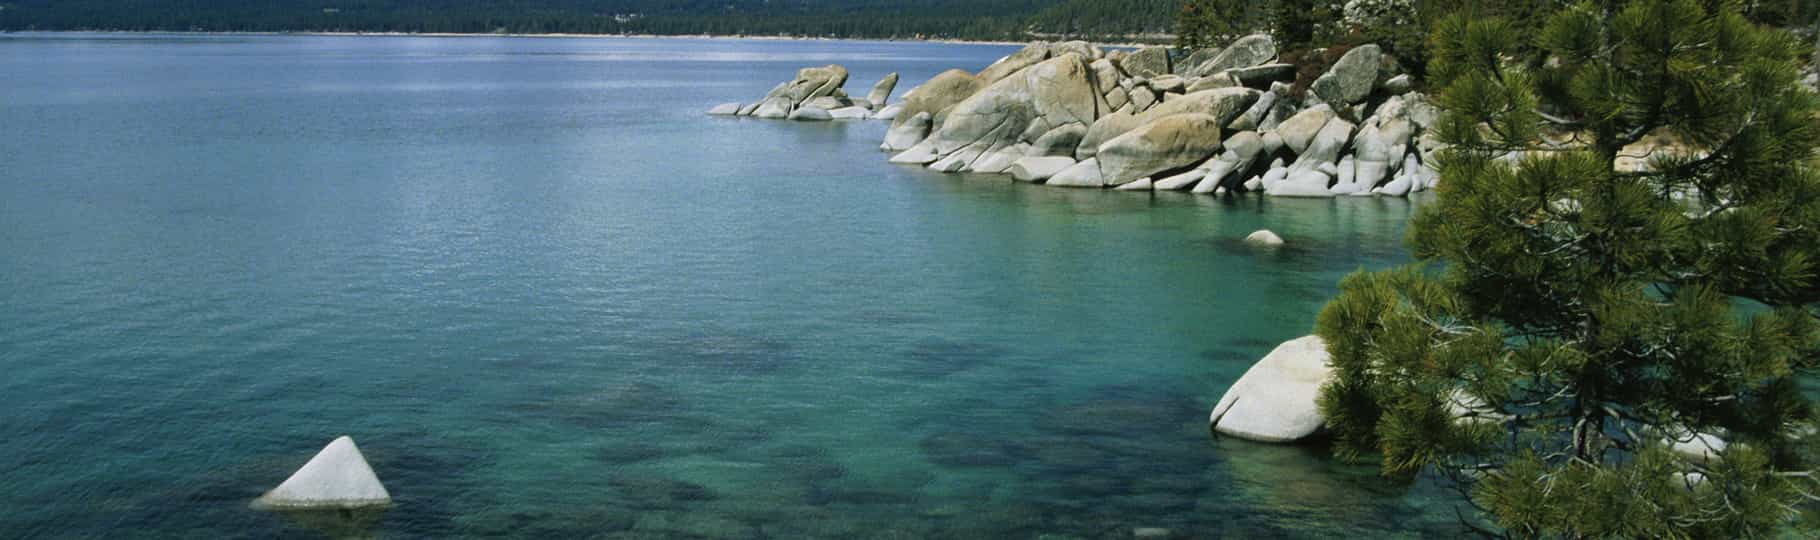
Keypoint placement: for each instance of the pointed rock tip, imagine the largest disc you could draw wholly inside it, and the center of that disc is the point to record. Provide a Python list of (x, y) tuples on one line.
[(338, 477)]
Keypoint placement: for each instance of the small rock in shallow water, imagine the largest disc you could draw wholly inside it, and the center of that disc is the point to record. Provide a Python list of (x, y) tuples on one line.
[(1275, 400), (725, 109), (338, 477), (1264, 238)]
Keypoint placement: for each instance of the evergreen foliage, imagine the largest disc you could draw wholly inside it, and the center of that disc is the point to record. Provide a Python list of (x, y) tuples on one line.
[(1571, 319), (953, 19), (1213, 23)]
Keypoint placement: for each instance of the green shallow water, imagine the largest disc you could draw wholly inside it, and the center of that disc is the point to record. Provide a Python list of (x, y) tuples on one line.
[(550, 299)]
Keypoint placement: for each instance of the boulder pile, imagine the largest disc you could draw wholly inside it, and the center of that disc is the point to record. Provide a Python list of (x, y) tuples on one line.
[(816, 94), (1232, 120)]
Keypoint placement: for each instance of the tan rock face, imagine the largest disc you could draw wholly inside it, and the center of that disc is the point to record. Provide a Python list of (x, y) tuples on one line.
[(1224, 104), (1028, 56), (937, 95), (1020, 108), (1171, 143), (1105, 129)]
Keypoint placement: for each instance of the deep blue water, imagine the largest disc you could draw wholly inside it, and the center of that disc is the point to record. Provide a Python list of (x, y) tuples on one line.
[(550, 299)]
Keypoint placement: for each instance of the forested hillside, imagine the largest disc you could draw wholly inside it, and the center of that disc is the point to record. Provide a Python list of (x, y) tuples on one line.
[(958, 19)]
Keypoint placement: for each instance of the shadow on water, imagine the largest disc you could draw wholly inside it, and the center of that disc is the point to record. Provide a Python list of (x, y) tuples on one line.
[(613, 404), (938, 357), (343, 524)]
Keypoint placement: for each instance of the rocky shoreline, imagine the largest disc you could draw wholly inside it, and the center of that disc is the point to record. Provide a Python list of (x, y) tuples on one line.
[(1230, 121)]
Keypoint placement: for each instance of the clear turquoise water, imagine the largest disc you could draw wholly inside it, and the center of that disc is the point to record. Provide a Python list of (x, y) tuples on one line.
[(551, 299)]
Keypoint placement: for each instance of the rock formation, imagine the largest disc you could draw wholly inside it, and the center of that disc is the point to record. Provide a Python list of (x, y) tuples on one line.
[(1225, 121), (1264, 238), (338, 477), (1275, 400), (881, 92)]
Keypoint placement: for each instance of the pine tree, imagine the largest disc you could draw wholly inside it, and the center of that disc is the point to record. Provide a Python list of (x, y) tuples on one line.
[(1215, 23), (1295, 20), (1572, 316)]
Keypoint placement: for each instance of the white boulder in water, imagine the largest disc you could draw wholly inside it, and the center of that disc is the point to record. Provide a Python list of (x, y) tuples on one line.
[(338, 477), (1264, 237), (725, 109), (1275, 400)]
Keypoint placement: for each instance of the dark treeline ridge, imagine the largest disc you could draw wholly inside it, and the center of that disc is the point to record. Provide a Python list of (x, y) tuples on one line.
[(1014, 20)]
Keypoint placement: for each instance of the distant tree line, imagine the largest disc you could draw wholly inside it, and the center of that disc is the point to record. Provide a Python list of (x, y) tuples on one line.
[(951, 19)]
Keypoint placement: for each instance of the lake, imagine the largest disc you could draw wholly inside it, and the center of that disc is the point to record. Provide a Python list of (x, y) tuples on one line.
[(550, 298)]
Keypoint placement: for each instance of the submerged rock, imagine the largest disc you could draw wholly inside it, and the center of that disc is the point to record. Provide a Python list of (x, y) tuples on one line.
[(1275, 400), (338, 477)]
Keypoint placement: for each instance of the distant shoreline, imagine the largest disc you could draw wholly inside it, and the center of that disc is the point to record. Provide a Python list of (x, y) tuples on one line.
[(590, 36)]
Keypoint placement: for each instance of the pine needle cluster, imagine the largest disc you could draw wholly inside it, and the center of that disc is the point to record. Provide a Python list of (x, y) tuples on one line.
[(1587, 348)]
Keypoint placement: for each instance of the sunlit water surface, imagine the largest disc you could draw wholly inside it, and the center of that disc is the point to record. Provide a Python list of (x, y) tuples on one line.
[(551, 299)]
